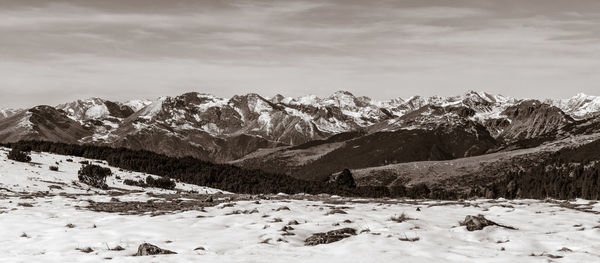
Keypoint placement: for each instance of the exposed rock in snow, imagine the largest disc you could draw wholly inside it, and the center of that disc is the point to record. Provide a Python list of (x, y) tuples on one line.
[(479, 222), (147, 249), (329, 237)]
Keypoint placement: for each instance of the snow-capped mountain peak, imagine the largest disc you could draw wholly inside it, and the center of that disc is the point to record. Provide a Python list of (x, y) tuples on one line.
[(92, 108), (5, 113), (342, 99), (137, 105), (151, 109), (311, 100), (579, 106), (204, 124)]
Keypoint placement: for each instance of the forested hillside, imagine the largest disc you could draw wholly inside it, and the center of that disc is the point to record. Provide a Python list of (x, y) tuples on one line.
[(568, 173)]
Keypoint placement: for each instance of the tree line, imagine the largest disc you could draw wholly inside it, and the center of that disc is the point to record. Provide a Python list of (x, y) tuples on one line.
[(195, 171), (568, 173)]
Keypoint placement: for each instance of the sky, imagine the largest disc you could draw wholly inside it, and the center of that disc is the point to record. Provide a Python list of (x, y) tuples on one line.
[(57, 51)]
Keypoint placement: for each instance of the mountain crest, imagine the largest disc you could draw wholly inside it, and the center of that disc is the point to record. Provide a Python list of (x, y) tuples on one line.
[(222, 129)]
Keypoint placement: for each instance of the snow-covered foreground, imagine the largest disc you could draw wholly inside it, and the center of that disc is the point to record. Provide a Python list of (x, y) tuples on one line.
[(50, 227), (37, 177)]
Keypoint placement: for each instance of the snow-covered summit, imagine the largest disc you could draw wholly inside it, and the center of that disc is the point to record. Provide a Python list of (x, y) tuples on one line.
[(137, 104), (92, 108), (579, 106), (97, 108), (206, 123), (5, 113)]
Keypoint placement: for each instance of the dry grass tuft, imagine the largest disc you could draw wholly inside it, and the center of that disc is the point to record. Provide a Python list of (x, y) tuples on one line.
[(401, 218)]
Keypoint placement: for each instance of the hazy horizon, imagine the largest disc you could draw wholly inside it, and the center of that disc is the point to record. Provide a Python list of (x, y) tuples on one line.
[(59, 51)]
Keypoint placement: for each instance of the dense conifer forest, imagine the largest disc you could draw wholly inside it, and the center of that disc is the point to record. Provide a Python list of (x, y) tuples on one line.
[(566, 174), (194, 171)]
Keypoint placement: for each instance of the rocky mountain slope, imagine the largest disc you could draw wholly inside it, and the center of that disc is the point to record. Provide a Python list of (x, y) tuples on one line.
[(245, 126), (42, 123)]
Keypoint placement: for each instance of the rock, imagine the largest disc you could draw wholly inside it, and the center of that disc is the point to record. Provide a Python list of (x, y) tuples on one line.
[(283, 208), (117, 248), (476, 222), (329, 237), (147, 249), (336, 211), (344, 178), (287, 228), (479, 222), (86, 250), (209, 199)]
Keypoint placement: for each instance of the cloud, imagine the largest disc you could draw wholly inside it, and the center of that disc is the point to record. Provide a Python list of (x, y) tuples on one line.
[(120, 49)]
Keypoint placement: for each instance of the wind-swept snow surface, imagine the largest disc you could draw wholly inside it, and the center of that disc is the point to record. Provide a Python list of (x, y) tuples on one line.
[(40, 226)]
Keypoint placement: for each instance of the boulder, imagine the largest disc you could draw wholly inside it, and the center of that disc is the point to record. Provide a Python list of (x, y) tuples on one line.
[(479, 222), (344, 178), (329, 237), (148, 249)]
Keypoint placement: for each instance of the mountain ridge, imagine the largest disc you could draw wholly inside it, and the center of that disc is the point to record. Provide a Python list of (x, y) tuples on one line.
[(222, 130)]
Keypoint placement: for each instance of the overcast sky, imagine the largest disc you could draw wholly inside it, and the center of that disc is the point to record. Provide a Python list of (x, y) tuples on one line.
[(56, 51)]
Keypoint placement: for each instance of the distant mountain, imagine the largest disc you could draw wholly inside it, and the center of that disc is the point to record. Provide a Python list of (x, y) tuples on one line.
[(42, 123), (247, 127), (5, 113), (478, 123), (531, 118), (96, 108), (580, 106)]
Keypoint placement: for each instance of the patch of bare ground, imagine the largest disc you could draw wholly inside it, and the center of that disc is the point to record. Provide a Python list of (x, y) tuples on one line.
[(243, 212), (545, 255), (586, 208), (458, 203), (150, 207), (166, 203)]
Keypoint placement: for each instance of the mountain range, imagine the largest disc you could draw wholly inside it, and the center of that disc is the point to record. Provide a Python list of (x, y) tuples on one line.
[(310, 137)]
